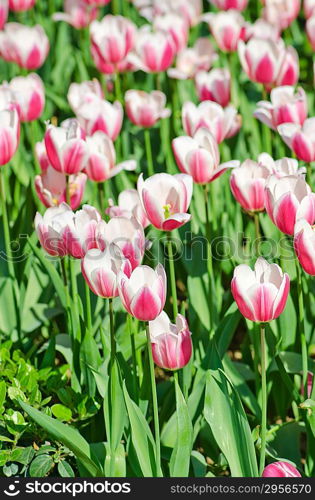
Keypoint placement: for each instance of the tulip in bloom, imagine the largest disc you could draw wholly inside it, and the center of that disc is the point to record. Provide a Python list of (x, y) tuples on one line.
[(229, 4), (143, 295), (288, 199), (100, 270), (21, 5), (146, 109), (66, 148), (262, 29), (51, 188), (76, 13), (228, 28), (41, 155), (171, 343), (9, 134), (165, 199), (285, 106), (129, 205), (27, 46), (280, 469), (282, 167), (309, 8), (50, 227), (80, 93), (29, 95), (310, 30), (193, 59), (188, 9), (222, 123), (99, 114), (281, 12), (304, 245), (300, 139), (79, 234), (175, 26), (199, 157), (4, 7), (154, 52), (260, 295), (214, 86), (289, 70)]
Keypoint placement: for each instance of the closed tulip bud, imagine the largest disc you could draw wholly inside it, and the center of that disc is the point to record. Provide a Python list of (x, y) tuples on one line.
[(304, 245), (288, 199), (101, 162), (154, 52), (100, 270), (165, 199), (51, 188), (310, 379), (229, 4), (190, 61), (129, 205), (29, 95), (175, 26), (3, 12), (261, 59), (80, 93), (222, 123), (27, 46), (309, 8), (143, 295), (199, 157), (289, 69), (285, 106), (9, 134), (146, 109), (281, 12), (280, 469), (214, 86), (260, 295), (300, 139), (79, 234), (50, 227), (77, 13), (171, 343), (228, 28), (99, 114), (66, 148), (21, 5)]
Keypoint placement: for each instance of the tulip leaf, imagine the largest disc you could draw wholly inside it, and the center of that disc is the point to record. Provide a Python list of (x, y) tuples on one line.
[(180, 459)]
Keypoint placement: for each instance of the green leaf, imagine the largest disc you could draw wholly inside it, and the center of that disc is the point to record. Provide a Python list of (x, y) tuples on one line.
[(180, 459), (61, 412), (41, 465), (199, 464), (114, 408), (119, 461), (2, 395), (65, 469)]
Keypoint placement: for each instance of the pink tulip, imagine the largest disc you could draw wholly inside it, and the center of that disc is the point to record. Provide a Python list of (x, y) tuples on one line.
[(127, 234), (9, 134), (282, 167), (99, 3), (171, 344), (29, 95), (99, 114), (261, 59), (175, 26), (289, 69), (41, 155), (146, 109), (51, 188), (260, 295), (20, 5), (214, 86), (300, 139), (50, 227), (166, 199), (188, 9), (143, 295), (100, 270), (286, 106), (66, 148), (199, 157), (228, 28), (310, 379), (222, 123), (81, 93), (310, 30), (309, 8), (79, 234), (4, 7), (262, 29), (154, 52), (304, 245), (193, 59), (27, 46), (281, 12), (229, 4), (129, 205), (280, 469), (288, 199), (76, 13), (101, 163)]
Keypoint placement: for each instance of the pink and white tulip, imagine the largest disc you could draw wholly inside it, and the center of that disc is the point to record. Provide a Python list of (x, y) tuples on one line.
[(50, 227), (143, 295), (191, 60), (281, 12), (29, 95), (304, 245), (300, 139), (188, 9), (154, 51), (99, 3), (309, 8), (99, 114), (81, 93), (79, 234), (229, 4), (100, 270), (282, 167), (199, 157), (289, 69), (310, 30), (171, 343), (146, 109), (262, 29), (41, 155), (165, 199), (280, 469), (214, 86), (21, 5), (27, 46), (4, 9), (76, 13), (228, 28), (129, 205), (175, 26), (288, 199), (260, 295), (50, 187), (261, 59), (9, 134)]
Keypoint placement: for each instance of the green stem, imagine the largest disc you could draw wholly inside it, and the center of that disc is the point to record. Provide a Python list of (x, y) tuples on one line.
[(257, 233), (134, 357), (116, 7), (172, 274), (112, 335), (68, 195), (302, 326), (101, 195), (209, 256), (74, 287), (148, 151), (155, 405), (117, 85), (6, 227), (88, 312), (309, 174), (264, 400)]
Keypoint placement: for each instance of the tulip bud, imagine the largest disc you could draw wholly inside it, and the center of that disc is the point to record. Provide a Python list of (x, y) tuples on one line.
[(80, 93), (51, 188), (29, 94), (290, 69), (145, 109), (282, 167), (13, 46), (304, 245), (300, 139), (9, 134), (41, 155), (280, 469), (50, 228), (99, 114), (228, 28), (77, 13), (175, 26), (129, 205), (21, 5), (154, 52), (281, 12), (214, 86), (79, 234), (190, 61), (261, 59)]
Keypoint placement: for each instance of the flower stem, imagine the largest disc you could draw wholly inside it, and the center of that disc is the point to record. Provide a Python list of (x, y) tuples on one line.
[(88, 313), (112, 335), (155, 406), (172, 274), (74, 287), (257, 233), (264, 399), (6, 227), (302, 325), (209, 256), (148, 150), (68, 196), (134, 357)]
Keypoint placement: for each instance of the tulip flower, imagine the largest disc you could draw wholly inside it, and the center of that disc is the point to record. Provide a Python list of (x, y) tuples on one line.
[(300, 139), (27, 46), (304, 245), (77, 13), (100, 270), (66, 148), (99, 114), (261, 294), (129, 206), (228, 28), (286, 106), (199, 157), (41, 155), (171, 343), (80, 93), (146, 109), (309, 8), (288, 199), (280, 469), (29, 95), (50, 227), (51, 188), (79, 234), (310, 30), (175, 26), (127, 234), (9, 134), (190, 61), (262, 29), (281, 12), (282, 167), (21, 5), (229, 4), (99, 3), (154, 52), (261, 59), (310, 379), (289, 69), (222, 123), (166, 199), (214, 86), (188, 9), (143, 295), (4, 7)]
